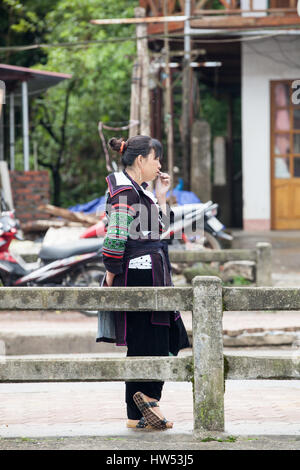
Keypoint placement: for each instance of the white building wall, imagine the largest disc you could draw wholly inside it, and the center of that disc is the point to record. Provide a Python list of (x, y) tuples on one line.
[(264, 60)]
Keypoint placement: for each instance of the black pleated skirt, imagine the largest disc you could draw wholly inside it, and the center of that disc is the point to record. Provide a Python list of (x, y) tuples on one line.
[(143, 339)]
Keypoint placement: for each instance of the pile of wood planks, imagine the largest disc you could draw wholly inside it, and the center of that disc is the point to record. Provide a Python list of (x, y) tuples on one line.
[(61, 218)]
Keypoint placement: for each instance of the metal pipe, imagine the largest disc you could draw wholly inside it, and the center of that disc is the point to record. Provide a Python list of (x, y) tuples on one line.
[(25, 125), (12, 130), (187, 30), (1, 135), (2, 101)]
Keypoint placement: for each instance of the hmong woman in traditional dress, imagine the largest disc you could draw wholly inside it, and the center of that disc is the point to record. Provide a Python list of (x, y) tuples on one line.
[(134, 255)]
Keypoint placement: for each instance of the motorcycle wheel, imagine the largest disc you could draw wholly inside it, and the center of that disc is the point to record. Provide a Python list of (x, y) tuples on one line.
[(210, 242), (89, 276), (207, 242)]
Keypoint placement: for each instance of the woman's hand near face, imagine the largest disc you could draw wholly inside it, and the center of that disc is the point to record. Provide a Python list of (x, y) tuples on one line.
[(162, 186)]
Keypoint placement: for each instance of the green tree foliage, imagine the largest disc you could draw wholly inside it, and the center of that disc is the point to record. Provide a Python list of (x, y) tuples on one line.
[(65, 118), (23, 22), (214, 110)]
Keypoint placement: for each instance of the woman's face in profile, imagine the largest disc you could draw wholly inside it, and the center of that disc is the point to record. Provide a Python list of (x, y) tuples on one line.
[(150, 166)]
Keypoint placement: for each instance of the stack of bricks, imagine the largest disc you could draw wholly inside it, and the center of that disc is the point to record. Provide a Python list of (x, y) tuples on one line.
[(30, 189)]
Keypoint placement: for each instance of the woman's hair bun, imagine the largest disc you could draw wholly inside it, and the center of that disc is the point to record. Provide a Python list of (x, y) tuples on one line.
[(118, 145)]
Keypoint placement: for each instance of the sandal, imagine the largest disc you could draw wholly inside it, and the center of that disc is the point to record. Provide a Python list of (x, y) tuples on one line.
[(145, 407), (142, 424)]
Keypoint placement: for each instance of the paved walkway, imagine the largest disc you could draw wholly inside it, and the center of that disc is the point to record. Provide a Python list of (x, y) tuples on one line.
[(285, 246), (80, 409)]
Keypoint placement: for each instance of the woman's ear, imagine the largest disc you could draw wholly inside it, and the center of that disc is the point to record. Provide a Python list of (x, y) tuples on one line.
[(139, 160)]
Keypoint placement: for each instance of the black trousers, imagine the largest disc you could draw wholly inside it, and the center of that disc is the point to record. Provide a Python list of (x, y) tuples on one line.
[(143, 339)]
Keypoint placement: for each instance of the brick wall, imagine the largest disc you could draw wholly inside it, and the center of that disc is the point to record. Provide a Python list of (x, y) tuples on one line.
[(30, 189)]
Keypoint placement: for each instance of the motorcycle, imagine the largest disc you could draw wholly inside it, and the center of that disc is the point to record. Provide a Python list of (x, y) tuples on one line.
[(77, 264), (210, 235), (213, 234)]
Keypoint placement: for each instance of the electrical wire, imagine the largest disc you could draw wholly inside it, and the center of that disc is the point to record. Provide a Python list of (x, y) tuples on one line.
[(174, 36)]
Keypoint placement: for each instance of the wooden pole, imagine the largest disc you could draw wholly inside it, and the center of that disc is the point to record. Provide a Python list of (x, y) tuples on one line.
[(140, 19), (143, 60), (185, 118), (168, 117), (135, 98)]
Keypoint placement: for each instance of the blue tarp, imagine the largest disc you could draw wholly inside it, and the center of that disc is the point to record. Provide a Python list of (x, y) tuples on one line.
[(91, 207), (184, 197)]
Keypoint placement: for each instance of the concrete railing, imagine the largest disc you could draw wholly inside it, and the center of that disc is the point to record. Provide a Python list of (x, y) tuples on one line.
[(207, 368), (261, 255)]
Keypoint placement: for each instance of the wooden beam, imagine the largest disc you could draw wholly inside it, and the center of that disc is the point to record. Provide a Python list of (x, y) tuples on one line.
[(245, 22), (148, 20), (159, 29), (230, 23), (238, 11)]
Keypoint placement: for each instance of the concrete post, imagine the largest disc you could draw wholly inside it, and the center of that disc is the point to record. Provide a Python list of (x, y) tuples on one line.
[(208, 354), (201, 160), (264, 264)]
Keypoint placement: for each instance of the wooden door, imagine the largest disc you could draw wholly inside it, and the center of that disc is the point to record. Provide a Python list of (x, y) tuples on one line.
[(285, 157)]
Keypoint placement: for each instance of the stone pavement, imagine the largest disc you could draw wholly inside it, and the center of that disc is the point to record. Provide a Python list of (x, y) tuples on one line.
[(97, 408), (47, 412), (285, 246), (72, 332)]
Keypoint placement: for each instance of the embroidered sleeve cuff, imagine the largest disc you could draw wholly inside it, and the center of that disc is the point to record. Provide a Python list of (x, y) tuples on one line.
[(113, 265)]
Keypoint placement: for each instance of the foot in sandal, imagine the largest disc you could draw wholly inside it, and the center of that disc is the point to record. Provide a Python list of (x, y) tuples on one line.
[(139, 424), (150, 410)]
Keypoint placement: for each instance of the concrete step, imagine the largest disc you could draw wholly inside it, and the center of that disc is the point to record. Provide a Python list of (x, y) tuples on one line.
[(72, 341), (72, 332)]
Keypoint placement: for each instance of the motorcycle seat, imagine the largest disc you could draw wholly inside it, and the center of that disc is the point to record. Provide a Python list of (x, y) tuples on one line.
[(78, 247)]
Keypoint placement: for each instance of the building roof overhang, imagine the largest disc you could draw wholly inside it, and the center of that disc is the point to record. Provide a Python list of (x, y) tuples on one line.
[(38, 80)]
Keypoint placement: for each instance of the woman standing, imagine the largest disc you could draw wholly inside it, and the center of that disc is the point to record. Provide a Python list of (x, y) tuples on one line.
[(134, 256)]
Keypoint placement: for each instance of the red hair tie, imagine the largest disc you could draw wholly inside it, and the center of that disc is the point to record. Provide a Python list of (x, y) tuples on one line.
[(122, 146)]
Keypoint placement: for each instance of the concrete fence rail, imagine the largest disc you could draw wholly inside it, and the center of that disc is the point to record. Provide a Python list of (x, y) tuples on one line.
[(207, 368), (261, 255)]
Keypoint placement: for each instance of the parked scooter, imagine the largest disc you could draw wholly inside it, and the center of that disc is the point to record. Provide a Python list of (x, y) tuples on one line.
[(213, 235), (76, 264), (210, 235)]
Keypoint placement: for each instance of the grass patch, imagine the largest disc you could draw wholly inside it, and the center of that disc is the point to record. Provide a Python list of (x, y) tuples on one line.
[(115, 439), (228, 439), (238, 281)]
